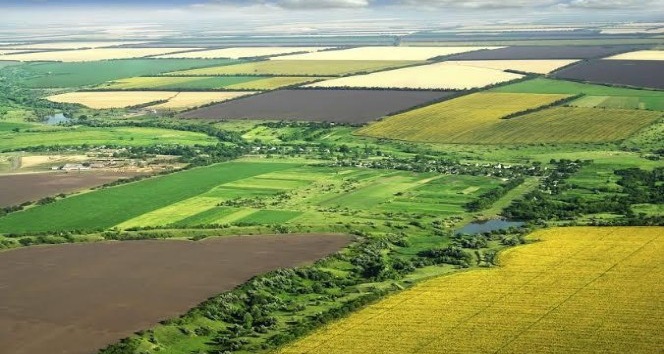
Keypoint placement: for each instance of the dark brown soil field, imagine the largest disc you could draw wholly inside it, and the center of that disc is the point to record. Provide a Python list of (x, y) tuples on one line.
[(544, 52), (638, 73), (20, 188), (338, 106), (79, 298)]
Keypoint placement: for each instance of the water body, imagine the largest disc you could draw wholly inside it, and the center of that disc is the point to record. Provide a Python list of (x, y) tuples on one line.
[(488, 226), (57, 119)]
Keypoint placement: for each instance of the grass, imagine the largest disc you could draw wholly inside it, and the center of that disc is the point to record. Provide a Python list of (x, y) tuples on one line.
[(76, 136), (108, 207), (602, 96), (48, 75), (270, 217), (577, 290), (297, 67), (457, 120)]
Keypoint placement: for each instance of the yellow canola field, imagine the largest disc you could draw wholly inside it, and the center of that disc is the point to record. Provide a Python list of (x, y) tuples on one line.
[(383, 53), (577, 290), (529, 66), (112, 99), (93, 54), (243, 52), (433, 76), (640, 55), (195, 99)]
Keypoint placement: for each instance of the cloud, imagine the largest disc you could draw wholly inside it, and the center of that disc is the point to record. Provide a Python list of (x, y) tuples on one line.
[(478, 4), (291, 4), (610, 4)]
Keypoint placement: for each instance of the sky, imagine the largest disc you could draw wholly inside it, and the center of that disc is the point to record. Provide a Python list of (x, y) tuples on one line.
[(404, 12)]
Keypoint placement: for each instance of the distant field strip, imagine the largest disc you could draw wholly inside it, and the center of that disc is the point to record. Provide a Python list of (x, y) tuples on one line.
[(93, 54), (112, 99), (630, 98), (433, 76), (108, 207), (457, 120), (243, 52), (73, 45), (579, 289), (297, 67), (382, 53), (195, 99), (529, 66), (176, 82), (640, 55)]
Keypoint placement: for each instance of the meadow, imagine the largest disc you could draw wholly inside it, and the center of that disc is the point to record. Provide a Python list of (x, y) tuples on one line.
[(49, 75), (575, 290), (297, 67), (457, 120), (596, 95), (76, 136), (438, 76)]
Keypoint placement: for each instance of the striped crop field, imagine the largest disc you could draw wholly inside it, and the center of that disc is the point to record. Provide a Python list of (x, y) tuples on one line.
[(576, 290)]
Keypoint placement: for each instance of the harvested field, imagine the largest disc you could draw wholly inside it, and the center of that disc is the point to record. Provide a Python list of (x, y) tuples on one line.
[(580, 289), (640, 55), (343, 106), (547, 52), (382, 53), (439, 76), (205, 83), (195, 99), (93, 54), (112, 99), (72, 45), (9, 51), (243, 52), (609, 97), (48, 75), (297, 67), (529, 66), (80, 298), (637, 73), (20, 188)]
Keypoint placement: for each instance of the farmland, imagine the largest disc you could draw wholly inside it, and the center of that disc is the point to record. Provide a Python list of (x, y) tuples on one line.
[(244, 52), (118, 305), (112, 99), (640, 55), (20, 188), (71, 45), (578, 289), (318, 105), (636, 73), (457, 120), (297, 67), (76, 136), (205, 83), (184, 100), (84, 55), (382, 53), (575, 52), (439, 76), (596, 95), (48, 75), (529, 66)]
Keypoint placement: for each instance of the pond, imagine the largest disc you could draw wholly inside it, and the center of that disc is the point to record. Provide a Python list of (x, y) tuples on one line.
[(479, 227), (56, 119)]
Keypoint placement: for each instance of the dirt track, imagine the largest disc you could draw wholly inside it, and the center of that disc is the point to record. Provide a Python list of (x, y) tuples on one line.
[(79, 298), (20, 188)]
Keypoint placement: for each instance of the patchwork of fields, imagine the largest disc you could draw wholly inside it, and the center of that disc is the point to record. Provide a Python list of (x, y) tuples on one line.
[(205, 83), (383, 53), (122, 99), (243, 52), (298, 67), (94, 54), (528, 66), (524, 52), (640, 55), (576, 290), (636, 73)]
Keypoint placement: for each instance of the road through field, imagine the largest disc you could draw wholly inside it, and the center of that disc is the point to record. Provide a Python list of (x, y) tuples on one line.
[(79, 298)]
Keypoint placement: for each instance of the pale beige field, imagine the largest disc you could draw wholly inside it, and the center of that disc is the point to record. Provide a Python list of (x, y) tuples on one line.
[(112, 99), (433, 76), (382, 53), (93, 54), (246, 52), (195, 99), (640, 55), (74, 45), (529, 66), (10, 51)]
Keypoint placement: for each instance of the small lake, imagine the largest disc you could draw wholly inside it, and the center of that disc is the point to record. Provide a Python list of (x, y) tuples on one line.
[(488, 226), (57, 119)]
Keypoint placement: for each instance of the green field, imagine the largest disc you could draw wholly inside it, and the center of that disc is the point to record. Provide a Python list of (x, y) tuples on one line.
[(47, 75), (297, 67), (72, 136), (108, 207), (5, 63), (204, 83), (598, 95)]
